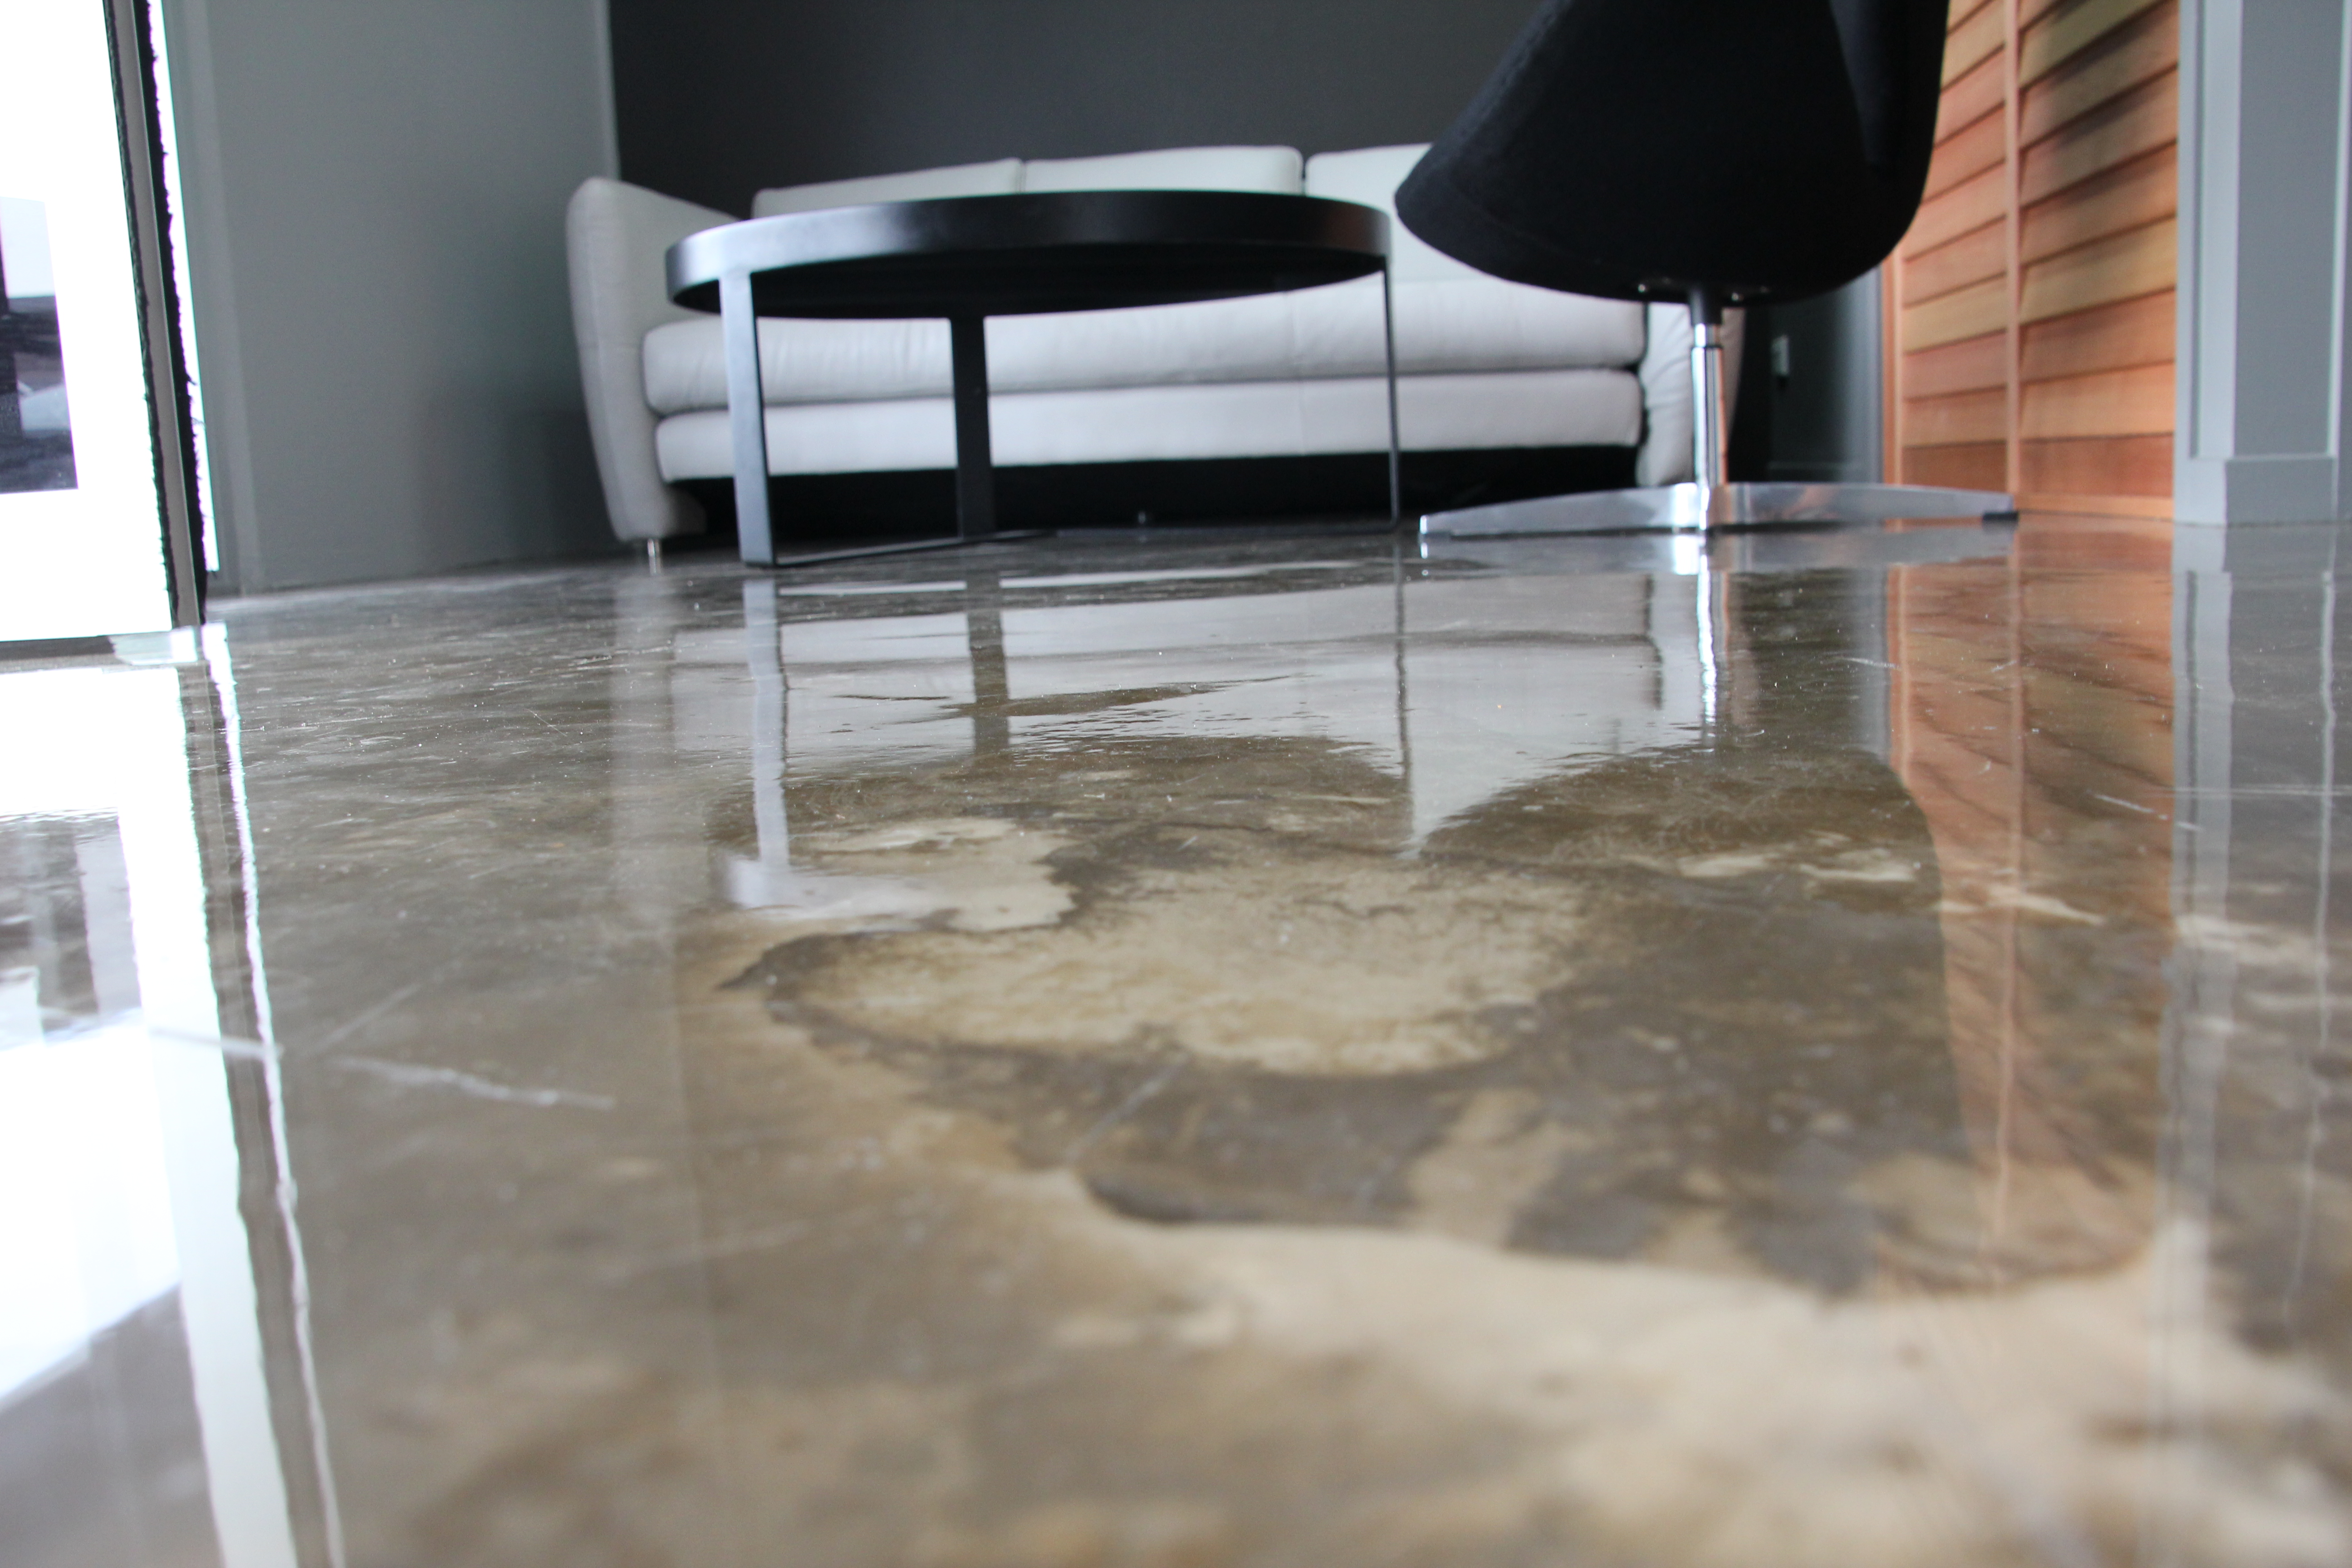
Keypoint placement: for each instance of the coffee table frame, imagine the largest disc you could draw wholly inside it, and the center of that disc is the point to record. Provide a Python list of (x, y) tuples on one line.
[(967, 258)]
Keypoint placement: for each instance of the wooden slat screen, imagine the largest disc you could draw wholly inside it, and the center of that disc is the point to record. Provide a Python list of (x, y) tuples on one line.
[(2032, 303)]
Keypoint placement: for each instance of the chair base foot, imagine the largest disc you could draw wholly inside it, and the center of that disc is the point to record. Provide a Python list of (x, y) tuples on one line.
[(1689, 508)]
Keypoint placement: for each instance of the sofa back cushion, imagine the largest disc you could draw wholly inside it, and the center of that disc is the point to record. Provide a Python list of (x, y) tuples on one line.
[(1001, 177), (1275, 169), (1369, 175)]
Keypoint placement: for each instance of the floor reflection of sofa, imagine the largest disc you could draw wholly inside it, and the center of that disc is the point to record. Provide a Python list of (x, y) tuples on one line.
[(1581, 834), (1387, 680)]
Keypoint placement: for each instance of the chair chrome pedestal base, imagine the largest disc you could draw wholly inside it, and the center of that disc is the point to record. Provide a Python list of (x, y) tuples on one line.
[(1690, 508)]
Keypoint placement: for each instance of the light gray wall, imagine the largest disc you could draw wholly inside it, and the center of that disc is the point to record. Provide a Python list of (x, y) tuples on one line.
[(375, 194)]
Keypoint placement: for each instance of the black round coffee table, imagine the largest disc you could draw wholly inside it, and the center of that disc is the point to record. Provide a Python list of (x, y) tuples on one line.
[(971, 258)]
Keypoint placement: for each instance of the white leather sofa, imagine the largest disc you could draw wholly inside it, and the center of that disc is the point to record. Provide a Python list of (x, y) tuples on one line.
[(1483, 364)]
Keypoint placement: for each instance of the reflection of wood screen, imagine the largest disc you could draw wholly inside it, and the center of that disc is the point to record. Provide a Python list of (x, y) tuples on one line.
[(2032, 299), (2031, 716)]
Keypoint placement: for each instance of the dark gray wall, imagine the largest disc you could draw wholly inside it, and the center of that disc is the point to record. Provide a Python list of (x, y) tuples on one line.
[(718, 97), (1811, 382), (376, 198)]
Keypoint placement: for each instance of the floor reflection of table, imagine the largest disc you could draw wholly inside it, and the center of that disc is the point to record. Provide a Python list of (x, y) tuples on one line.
[(971, 258)]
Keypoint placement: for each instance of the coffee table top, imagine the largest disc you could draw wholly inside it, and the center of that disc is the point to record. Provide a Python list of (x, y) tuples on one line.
[(1021, 254)]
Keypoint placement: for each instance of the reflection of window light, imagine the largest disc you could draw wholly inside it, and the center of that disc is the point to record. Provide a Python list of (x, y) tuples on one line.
[(120, 1168), (85, 1203)]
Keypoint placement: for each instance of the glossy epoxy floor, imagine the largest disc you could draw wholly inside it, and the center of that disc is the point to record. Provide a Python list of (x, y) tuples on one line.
[(1814, 1052)]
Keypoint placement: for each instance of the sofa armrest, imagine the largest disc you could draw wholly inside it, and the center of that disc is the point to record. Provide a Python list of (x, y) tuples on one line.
[(1667, 455), (616, 234)]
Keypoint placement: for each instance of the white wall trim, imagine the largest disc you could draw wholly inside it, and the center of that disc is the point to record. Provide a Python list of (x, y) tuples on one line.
[(2261, 431), (2342, 381)]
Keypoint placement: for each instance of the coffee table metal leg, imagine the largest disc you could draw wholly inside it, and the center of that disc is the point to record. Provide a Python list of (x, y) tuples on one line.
[(1396, 458), (747, 421), (975, 467)]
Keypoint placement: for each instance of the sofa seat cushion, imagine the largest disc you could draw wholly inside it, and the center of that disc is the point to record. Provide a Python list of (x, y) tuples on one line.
[(1000, 178), (1278, 169), (1442, 325), (1141, 423)]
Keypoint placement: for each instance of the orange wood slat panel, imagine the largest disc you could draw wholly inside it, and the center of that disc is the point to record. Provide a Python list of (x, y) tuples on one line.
[(1971, 98), (2108, 466), (2066, 31), (1971, 204), (1971, 259), (1967, 366), (1974, 38), (1964, 313), (1960, 418), (2132, 55), (2135, 402), (2142, 191), (2138, 261), (1982, 467), (2109, 337), (2033, 303), (2028, 504), (2141, 122), (1980, 146)]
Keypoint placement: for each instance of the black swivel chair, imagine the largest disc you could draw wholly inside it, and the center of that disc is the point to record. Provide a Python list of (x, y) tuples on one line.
[(1714, 151)]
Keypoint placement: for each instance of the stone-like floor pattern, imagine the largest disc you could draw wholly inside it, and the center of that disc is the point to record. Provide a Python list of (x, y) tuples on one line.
[(1817, 1049)]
